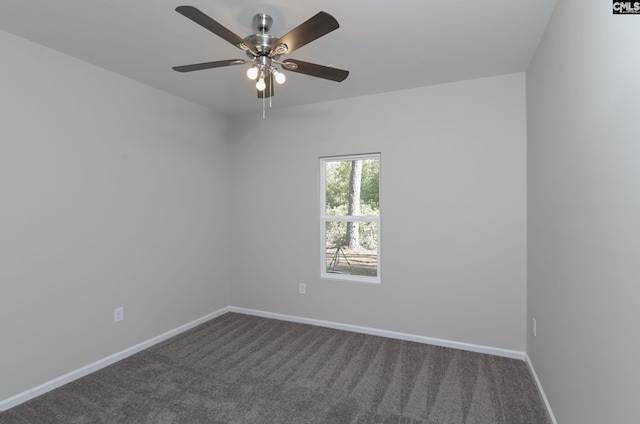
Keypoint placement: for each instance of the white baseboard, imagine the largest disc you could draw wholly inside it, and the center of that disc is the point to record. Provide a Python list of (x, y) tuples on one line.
[(514, 354), (88, 369), (541, 390)]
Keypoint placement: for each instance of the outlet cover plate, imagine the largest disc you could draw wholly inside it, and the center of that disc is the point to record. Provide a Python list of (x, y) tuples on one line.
[(118, 314)]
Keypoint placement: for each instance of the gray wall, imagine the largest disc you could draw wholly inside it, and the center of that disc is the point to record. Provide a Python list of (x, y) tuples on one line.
[(583, 99), (112, 194), (453, 181)]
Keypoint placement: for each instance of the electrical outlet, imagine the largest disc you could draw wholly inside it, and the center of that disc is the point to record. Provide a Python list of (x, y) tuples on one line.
[(118, 314), (534, 328), (302, 288)]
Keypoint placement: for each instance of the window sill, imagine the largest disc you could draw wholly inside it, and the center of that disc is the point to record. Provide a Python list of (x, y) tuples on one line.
[(343, 277)]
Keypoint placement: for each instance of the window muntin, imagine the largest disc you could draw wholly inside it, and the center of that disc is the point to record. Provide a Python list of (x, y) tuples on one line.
[(350, 218)]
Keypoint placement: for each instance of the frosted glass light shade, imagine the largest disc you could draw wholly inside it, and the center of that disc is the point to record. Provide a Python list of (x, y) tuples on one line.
[(252, 73), (280, 77)]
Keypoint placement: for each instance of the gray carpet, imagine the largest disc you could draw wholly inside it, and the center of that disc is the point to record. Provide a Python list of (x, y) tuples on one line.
[(244, 369)]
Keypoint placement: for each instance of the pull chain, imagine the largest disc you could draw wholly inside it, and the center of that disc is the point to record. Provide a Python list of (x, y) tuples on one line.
[(264, 113)]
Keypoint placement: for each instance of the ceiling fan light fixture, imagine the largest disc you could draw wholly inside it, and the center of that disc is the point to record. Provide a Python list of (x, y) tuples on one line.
[(279, 77), (252, 73)]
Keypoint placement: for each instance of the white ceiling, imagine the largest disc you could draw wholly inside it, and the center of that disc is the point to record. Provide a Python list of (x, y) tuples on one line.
[(386, 45)]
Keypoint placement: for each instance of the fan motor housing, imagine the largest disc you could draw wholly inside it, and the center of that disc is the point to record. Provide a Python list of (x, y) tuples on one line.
[(262, 43)]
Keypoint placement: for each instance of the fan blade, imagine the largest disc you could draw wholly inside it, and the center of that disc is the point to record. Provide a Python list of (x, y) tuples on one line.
[(312, 29), (268, 91), (206, 22), (209, 65), (315, 70)]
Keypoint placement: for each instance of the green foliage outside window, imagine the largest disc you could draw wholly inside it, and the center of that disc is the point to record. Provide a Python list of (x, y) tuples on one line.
[(337, 201), (337, 183)]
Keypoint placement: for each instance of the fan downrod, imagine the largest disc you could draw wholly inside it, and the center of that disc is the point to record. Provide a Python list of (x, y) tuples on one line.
[(262, 22)]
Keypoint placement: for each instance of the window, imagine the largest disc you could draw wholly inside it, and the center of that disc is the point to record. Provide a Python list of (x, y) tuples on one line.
[(350, 218)]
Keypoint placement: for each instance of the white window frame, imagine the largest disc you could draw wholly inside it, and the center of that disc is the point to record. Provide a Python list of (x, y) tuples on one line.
[(324, 218)]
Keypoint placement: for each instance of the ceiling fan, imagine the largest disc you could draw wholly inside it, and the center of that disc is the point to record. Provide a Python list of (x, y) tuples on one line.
[(264, 50)]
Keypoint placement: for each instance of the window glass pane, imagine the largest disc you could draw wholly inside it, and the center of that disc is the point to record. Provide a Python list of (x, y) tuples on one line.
[(370, 187), (352, 187), (337, 187), (352, 248)]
